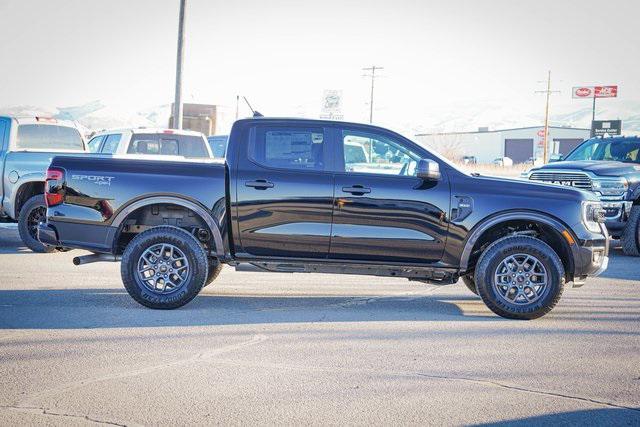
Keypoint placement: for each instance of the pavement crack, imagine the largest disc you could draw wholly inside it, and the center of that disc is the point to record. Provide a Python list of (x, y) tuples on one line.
[(44, 411), (529, 390)]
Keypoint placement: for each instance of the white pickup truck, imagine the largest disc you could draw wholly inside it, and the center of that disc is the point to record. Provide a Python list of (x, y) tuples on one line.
[(150, 142), (27, 145)]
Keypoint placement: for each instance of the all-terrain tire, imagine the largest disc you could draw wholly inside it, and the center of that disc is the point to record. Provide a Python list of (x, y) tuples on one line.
[(214, 270), (631, 234), (519, 247), (470, 284), (31, 213), (144, 249)]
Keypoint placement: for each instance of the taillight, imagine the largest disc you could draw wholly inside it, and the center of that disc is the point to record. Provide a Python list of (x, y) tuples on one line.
[(52, 185)]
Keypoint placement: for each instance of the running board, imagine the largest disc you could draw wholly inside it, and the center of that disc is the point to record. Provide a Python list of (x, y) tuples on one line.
[(423, 274)]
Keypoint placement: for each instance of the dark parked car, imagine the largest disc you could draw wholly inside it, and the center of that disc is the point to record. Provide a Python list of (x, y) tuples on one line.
[(288, 199), (609, 167)]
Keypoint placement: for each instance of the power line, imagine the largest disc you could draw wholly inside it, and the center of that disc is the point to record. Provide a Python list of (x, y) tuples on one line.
[(548, 92), (373, 76)]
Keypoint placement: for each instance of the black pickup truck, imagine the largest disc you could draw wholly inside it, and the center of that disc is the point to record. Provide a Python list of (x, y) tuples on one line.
[(610, 167), (315, 196)]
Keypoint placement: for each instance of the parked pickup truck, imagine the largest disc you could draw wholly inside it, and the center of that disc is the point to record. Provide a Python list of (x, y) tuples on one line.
[(27, 145), (285, 200), (609, 167), (150, 142)]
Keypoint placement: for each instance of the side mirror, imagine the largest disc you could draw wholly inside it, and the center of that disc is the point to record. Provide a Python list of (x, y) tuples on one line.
[(555, 158), (428, 170)]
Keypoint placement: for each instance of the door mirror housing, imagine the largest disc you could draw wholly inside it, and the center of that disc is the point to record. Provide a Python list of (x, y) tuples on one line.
[(428, 170), (556, 158)]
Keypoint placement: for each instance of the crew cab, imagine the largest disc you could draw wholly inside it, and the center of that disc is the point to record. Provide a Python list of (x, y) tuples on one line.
[(288, 199), (27, 145), (610, 168), (150, 142)]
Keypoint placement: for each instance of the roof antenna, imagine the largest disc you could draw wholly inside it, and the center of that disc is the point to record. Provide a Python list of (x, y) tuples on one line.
[(255, 113)]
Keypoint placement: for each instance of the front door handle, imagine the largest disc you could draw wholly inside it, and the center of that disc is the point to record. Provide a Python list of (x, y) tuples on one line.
[(356, 190), (259, 184)]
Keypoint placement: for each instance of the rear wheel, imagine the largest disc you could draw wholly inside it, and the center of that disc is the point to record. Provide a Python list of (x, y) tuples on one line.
[(32, 213), (520, 277), (470, 284), (631, 235), (164, 267)]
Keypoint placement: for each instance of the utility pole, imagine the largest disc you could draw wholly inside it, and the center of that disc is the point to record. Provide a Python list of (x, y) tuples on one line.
[(177, 103), (545, 140), (372, 69)]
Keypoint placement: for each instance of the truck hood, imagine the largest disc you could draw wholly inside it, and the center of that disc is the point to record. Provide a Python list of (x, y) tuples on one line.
[(598, 167), (533, 189)]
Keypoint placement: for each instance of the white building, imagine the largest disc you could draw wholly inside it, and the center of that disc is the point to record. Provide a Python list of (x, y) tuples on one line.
[(519, 144)]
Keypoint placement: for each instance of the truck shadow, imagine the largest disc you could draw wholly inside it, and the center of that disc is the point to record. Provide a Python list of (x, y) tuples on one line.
[(10, 242), (604, 416), (113, 308)]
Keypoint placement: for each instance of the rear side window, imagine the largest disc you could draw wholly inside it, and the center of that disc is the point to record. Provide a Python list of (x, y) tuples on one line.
[(300, 148), (48, 137), (168, 145), (110, 145)]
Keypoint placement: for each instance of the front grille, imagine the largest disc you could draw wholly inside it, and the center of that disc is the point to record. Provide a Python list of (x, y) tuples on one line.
[(574, 179)]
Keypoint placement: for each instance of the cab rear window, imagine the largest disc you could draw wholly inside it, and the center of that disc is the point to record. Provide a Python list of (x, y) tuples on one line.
[(168, 145), (48, 137)]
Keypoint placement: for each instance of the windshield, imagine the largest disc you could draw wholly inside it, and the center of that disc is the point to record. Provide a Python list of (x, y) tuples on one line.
[(48, 137), (619, 150)]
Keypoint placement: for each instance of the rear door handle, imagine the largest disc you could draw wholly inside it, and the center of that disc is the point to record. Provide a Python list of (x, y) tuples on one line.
[(259, 184), (356, 190)]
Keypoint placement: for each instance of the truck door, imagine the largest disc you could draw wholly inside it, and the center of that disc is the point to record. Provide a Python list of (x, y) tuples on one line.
[(284, 192), (382, 211)]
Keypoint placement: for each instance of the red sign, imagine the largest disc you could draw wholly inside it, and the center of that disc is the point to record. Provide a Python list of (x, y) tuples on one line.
[(541, 133), (595, 91)]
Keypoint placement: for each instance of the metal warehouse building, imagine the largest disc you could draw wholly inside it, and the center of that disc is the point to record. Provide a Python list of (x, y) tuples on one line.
[(519, 144)]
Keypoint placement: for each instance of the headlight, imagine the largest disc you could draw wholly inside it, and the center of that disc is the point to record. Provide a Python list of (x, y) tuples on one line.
[(610, 187), (592, 215)]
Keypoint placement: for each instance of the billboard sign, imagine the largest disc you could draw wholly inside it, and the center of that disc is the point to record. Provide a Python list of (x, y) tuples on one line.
[(595, 91), (331, 105), (606, 127)]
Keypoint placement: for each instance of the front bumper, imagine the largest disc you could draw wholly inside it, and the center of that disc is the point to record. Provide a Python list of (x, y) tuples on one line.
[(616, 216), (591, 257)]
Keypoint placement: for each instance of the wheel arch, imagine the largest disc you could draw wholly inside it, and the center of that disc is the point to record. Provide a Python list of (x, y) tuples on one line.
[(31, 185), (553, 227), (196, 208)]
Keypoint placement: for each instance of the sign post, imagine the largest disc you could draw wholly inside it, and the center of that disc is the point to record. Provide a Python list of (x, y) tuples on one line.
[(594, 92)]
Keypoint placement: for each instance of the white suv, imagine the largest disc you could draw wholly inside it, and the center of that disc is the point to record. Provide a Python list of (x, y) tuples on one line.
[(155, 142)]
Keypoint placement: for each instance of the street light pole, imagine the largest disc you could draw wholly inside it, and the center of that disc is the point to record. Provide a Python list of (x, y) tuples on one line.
[(177, 103)]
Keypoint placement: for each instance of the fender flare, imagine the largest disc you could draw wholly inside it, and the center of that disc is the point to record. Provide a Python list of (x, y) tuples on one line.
[(23, 180), (196, 208), (487, 223)]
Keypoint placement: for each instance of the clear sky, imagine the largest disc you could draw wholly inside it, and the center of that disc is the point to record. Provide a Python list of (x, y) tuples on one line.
[(450, 56)]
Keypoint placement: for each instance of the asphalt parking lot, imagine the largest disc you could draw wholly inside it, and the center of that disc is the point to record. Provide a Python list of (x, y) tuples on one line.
[(308, 349)]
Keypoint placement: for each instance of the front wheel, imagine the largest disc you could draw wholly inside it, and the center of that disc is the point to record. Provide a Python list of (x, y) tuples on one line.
[(32, 213), (631, 235), (520, 277), (164, 267)]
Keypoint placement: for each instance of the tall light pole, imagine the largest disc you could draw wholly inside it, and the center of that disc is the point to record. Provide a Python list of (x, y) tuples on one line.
[(373, 69), (177, 103)]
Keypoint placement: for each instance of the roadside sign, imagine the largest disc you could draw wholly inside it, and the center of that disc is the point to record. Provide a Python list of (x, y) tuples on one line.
[(606, 127), (331, 105), (595, 91), (541, 133)]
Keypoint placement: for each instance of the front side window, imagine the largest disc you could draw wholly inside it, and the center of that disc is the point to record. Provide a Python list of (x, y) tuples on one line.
[(111, 143), (94, 144), (48, 137), (377, 154), (300, 148)]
